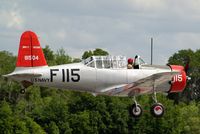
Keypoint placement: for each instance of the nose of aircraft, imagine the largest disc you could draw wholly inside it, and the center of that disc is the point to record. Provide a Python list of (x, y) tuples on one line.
[(179, 81)]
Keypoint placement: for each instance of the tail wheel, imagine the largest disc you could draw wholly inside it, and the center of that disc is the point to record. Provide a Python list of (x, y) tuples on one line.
[(136, 110), (157, 110), (22, 91)]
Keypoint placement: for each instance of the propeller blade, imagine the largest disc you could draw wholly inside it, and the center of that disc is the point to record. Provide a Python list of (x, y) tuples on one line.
[(186, 68)]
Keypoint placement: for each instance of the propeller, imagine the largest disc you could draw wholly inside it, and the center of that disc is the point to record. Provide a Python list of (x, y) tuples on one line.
[(186, 68)]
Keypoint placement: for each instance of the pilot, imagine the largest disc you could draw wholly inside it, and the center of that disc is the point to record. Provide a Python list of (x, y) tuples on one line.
[(137, 62), (130, 63)]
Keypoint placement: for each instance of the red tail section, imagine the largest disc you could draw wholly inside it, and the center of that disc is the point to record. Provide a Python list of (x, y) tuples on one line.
[(30, 53)]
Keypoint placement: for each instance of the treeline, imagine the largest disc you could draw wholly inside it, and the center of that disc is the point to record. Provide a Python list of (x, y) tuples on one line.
[(53, 111)]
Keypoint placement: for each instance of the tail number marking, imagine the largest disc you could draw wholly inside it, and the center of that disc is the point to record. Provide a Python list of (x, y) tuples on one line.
[(31, 57), (67, 75)]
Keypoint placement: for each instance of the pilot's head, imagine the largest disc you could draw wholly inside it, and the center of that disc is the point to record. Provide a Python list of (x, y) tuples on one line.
[(130, 61)]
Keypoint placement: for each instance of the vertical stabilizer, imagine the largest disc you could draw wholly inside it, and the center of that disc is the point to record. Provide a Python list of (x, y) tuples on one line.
[(30, 53)]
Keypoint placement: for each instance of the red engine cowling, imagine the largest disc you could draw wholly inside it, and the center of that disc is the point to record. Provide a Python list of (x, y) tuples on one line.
[(178, 83)]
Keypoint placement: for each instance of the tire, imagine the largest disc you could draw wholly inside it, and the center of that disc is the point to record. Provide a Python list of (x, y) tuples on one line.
[(157, 110), (22, 91), (136, 111)]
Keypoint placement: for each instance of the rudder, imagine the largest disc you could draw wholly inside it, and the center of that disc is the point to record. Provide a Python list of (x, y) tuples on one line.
[(30, 53)]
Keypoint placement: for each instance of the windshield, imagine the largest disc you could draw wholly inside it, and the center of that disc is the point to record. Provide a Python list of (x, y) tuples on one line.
[(141, 61)]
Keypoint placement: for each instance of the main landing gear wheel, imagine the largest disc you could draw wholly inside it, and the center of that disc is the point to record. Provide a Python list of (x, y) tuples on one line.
[(136, 110), (157, 110)]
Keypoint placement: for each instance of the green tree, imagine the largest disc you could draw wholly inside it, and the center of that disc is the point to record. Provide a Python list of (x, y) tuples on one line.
[(76, 60), (8, 89), (62, 58), (87, 54), (96, 52), (53, 128), (6, 118), (49, 56), (7, 62), (99, 51), (181, 57), (80, 123), (33, 127), (19, 126), (191, 119)]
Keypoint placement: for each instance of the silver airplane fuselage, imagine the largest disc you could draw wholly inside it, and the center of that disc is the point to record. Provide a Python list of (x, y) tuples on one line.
[(78, 76)]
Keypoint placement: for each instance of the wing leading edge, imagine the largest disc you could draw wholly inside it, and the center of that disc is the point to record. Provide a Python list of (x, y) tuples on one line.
[(160, 81)]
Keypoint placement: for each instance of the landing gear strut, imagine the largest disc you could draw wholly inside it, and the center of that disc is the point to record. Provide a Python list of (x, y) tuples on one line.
[(157, 109), (23, 89), (136, 109)]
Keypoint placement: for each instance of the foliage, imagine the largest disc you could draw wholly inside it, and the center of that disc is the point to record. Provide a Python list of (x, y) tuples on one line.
[(87, 54), (45, 110), (62, 58), (49, 56), (96, 52), (59, 58), (7, 62)]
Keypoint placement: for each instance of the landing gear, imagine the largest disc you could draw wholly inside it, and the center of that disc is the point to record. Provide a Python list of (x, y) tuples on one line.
[(24, 85), (157, 109), (23, 89), (136, 109)]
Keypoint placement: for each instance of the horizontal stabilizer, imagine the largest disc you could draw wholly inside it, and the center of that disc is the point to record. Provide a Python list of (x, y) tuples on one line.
[(24, 75)]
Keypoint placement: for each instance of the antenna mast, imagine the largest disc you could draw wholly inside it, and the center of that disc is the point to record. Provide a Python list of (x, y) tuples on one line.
[(151, 51)]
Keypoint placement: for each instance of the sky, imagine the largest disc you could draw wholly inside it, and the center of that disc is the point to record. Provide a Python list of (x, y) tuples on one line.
[(121, 27)]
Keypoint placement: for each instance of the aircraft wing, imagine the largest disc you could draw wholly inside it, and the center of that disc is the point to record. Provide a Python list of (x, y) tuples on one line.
[(160, 81)]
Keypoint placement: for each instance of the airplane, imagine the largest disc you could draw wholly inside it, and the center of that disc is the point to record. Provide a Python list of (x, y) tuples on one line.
[(99, 75)]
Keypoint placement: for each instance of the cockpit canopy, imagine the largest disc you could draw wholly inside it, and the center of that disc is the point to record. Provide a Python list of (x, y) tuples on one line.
[(107, 62)]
